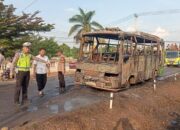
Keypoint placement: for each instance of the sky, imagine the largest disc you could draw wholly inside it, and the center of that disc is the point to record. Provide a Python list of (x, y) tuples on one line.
[(108, 13)]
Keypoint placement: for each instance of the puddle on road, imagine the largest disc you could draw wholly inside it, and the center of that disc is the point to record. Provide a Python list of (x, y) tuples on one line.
[(75, 103), (32, 109), (54, 108), (67, 106), (70, 105)]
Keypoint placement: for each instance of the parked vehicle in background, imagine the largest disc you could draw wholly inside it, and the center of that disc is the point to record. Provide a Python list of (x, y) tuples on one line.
[(173, 58), (173, 55), (72, 64), (112, 59)]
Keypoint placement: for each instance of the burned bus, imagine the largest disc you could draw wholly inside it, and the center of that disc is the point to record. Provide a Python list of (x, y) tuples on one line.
[(112, 59)]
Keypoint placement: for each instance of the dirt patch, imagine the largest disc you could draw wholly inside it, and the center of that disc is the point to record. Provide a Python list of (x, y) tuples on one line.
[(135, 109)]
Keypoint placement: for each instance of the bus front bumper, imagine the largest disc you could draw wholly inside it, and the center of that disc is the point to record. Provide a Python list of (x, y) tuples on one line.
[(110, 84), (175, 62)]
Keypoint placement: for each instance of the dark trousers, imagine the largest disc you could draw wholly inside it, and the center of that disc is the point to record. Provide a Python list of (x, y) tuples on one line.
[(41, 81), (61, 80), (22, 82)]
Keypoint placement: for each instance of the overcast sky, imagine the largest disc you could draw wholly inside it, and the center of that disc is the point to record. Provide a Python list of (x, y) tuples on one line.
[(108, 13)]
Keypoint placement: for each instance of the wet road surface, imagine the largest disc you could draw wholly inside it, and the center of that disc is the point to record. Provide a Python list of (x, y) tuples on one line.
[(171, 70), (48, 105)]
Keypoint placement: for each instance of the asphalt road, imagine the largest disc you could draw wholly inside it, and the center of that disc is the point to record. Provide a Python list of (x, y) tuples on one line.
[(48, 105)]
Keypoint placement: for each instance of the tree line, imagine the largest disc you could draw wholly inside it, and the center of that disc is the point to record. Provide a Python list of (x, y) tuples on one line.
[(17, 29)]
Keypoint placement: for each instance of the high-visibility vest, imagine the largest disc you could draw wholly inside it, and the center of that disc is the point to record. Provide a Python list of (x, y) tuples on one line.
[(24, 62)]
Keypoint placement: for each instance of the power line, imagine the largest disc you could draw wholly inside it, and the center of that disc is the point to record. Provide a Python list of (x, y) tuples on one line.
[(58, 37), (29, 5), (173, 41), (136, 15)]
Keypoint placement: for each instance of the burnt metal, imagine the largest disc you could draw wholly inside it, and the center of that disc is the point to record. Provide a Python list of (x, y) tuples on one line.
[(112, 59)]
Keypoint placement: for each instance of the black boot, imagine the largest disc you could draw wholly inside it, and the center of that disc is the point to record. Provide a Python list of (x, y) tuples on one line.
[(61, 90)]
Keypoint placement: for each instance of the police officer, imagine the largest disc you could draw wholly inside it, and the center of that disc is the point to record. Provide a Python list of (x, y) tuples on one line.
[(22, 61), (61, 71)]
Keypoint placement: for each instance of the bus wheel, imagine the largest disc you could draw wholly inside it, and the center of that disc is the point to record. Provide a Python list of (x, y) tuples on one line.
[(131, 80)]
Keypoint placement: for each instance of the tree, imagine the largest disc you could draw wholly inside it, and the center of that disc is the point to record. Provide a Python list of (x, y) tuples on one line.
[(66, 49), (14, 27), (83, 23), (74, 52), (49, 44), (38, 42)]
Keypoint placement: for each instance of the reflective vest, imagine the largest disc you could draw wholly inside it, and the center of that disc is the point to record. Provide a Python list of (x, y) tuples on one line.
[(24, 62)]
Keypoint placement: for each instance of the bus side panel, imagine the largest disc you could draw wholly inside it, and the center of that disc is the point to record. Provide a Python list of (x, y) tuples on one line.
[(141, 66), (126, 72), (148, 66), (135, 69), (155, 63)]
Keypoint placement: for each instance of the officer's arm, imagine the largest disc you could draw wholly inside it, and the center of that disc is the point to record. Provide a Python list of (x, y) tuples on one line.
[(48, 66), (14, 63), (38, 59), (15, 59)]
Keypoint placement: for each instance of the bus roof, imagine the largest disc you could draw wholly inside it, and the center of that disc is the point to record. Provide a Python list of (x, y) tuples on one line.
[(115, 33)]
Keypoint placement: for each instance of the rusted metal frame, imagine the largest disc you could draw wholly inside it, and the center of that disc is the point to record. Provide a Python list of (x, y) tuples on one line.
[(163, 54), (135, 49), (159, 51), (121, 56), (108, 45), (152, 54), (97, 44), (100, 54), (96, 48), (131, 47), (117, 46), (91, 49), (126, 43), (157, 54), (138, 63), (145, 59), (131, 52), (135, 43), (116, 51)]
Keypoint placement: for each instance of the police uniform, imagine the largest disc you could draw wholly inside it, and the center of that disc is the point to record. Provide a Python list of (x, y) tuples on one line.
[(22, 62), (23, 76)]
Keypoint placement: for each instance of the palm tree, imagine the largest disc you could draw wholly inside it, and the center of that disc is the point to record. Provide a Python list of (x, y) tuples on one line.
[(83, 23)]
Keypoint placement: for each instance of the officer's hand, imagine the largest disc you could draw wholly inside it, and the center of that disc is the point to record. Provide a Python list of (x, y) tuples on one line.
[(48, 64)]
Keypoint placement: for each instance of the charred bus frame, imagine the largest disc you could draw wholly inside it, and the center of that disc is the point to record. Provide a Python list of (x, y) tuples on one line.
[(112, 59)]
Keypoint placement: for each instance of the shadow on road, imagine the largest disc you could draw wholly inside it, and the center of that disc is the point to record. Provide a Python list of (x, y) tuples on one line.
[(124, 124)]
